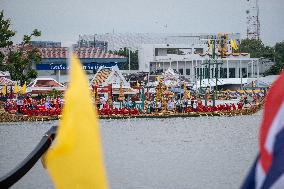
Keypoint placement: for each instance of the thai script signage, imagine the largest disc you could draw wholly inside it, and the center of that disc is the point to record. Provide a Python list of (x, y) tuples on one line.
[(85, 66), (106, 89)]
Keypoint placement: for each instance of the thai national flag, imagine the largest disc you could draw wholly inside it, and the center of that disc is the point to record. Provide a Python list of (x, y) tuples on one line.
[(268, 169)]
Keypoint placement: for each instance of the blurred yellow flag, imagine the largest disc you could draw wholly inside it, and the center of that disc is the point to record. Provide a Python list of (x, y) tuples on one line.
[(234, 44), (16, 88), (76, 160), (4, 90), (24, 89)]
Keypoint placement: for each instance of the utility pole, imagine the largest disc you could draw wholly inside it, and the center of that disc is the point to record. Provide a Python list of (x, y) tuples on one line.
[(128, 58), (94, 40), (200, 78), (213, 61)]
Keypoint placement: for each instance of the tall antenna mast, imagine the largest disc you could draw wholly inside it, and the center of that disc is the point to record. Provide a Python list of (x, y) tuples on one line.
[(253, 22)]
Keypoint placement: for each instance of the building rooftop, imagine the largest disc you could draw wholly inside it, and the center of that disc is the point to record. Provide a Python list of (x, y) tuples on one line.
[(87, 52)]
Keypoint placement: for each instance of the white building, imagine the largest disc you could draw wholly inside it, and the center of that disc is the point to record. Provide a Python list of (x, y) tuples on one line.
[(191, 61)]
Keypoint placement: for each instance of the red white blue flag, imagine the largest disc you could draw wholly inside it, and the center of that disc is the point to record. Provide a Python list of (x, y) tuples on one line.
[(268, 169)]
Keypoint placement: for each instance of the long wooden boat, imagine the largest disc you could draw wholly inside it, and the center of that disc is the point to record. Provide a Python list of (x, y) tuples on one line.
[(7, 117)]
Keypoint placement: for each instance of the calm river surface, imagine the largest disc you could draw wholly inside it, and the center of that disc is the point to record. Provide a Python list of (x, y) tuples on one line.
[(176, 153)]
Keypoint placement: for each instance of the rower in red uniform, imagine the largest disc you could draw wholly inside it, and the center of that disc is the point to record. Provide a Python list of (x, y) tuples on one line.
[(234, 107)]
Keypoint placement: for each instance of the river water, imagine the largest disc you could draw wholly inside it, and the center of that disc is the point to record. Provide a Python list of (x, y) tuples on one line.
[(175, 153)]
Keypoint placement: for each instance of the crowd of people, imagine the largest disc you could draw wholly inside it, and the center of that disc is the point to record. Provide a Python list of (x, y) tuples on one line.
[(53, 106), (129, 107), (33, 106)]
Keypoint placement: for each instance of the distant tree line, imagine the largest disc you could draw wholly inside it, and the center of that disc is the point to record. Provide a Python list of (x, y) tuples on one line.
[(257, 49)]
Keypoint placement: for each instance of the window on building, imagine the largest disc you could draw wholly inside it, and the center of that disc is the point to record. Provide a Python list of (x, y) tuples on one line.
[(158, 71), (216, 72), (172, 51), (206, 72), (232, 72), (197, 72), (223, 73), (198, 50), (180, 71), (239, 72), (187, 71), (244, 72), (156, 51)]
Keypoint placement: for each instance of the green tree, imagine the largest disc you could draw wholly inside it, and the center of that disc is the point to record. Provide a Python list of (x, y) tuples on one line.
[(5, 36), (133, 58), (18, 61), (258, 50), (278, 58), (253, 46)]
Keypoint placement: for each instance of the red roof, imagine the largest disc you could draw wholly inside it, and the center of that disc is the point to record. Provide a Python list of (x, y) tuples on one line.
[(6, 81), (62, 52)]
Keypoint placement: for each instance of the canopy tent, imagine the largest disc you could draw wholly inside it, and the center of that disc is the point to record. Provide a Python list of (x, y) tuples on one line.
[(4, 74), (256, 84), (45, 85), (112, 75), (171, 78), (6, 81)]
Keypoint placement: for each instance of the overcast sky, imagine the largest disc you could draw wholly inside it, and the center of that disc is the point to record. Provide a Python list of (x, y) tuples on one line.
[(64, 20)]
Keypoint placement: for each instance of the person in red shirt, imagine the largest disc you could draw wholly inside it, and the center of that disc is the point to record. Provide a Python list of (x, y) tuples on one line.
[(234, 107), (240, 106)]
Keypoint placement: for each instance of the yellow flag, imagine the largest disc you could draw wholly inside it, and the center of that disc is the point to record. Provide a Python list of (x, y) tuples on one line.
[(158, 78), (24, 89), (234, 44), (16, 88), (76, 160), (4, 90)]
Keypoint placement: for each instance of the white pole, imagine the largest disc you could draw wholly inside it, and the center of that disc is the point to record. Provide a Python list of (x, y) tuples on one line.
[(59, 78), (258, 72), (177, 67), (192, 70), (184, 69), (252, 74), (156, 66), (196, 71), (228, 74), (128, 58), (241, 74), (248, 70)]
